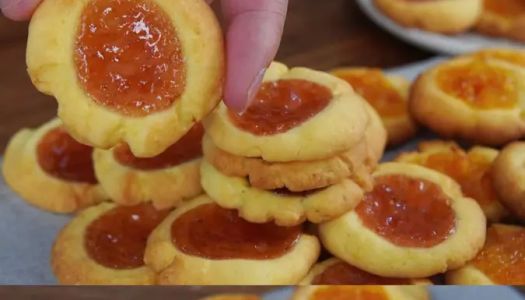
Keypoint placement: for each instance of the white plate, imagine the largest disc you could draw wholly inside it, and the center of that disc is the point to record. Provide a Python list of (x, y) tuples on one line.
[(445, 44)]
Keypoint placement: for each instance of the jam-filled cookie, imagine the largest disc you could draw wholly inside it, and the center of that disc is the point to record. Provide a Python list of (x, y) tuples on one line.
[(415, 223), (141, 72), (443, 16), (503, 18), (508, 172), (165, 180), (480, 99), (501, 261), (514, 57), (334, 271), (105, 244), (283, 206), (471, 169), (201, 243), (298, 114), (388, 95), (356, 292), (356, 163), (49, 159)]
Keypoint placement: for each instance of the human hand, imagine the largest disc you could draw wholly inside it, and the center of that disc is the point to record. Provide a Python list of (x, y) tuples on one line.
[(253, 33)]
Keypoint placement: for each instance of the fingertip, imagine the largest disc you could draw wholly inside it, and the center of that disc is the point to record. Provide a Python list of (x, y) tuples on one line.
[(18, 10)]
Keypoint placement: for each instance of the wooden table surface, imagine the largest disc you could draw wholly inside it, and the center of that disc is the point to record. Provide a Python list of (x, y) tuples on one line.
[(318, 34)]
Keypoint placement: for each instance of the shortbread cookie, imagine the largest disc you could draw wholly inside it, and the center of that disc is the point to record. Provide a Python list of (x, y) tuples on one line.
[(501, 261), (415, 223), (165, 180), (479, 99), (388, 95), (443, 16), (298, 114), (282, 206), (105, 244), (201, 243), (504, 18), (353, 292), (472, 170), (140, 72), (49, 159)]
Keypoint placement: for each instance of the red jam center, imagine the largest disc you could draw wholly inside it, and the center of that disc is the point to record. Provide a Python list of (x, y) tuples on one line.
[(61, 156), (349, 293), (117, 239), (216, 233), (128, 56), (184, 150), (407, 211), (281, 105), (344, 274), (503, 256)]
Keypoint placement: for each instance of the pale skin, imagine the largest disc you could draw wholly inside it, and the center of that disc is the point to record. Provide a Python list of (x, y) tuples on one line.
[(253, 33)]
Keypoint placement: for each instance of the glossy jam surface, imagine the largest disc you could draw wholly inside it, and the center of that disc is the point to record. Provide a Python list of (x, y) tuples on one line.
[(471, 171), (186, 149), (349, 293), (503, 257), (281, 105), (216, 233), (63, 157), (128, 56), (377, 90), (480, 85), (407, 211), (117, 239), (507, 8), (343, 273)]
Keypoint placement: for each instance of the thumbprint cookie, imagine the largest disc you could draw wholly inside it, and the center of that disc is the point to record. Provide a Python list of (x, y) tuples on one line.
[(476, 98), (201, 243), (298, 114), (165, 180), (501, 261), (139, 72), (471, 169), (49, 159), (415, 223), (388, 95), (505, 18), (443, 16), (356, 292), (105, 244)]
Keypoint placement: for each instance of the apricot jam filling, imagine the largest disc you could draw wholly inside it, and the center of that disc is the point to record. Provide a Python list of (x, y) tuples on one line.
[(407, 211), (184, 150), (349, 293), (117, 239), (342, 273), (282, 105), (480, 85), (213, 232), (128, 56), (502, 258), (61, 156), (506, 8), (378, 91), (470, 170)]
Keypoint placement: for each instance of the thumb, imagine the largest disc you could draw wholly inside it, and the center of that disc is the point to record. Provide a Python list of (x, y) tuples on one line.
[(18, 10)]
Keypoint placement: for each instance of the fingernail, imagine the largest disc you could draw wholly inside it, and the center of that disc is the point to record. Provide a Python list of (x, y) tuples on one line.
[(254, 88), (7, 4)]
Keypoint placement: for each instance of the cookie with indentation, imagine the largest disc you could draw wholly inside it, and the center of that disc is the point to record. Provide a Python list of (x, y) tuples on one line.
[(201, 243), (388, 95), (49, 159), (471, 169), (415, 223), (135, 72), (479, 99), (500, 262), (165, 180), (105, 244), (298, 114), (445, 16), (504, 18), (376, 292)]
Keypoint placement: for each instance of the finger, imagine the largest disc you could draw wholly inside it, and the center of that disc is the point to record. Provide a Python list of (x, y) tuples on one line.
[(254, 30), (18, 10)]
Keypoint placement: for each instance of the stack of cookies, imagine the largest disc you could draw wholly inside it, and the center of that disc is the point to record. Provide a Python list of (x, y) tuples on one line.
[(303, 150)]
